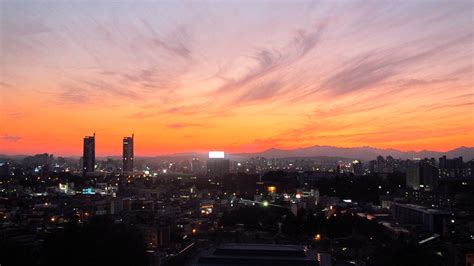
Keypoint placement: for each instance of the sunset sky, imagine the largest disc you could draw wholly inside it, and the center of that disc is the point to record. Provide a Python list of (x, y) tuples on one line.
[(238, 76)]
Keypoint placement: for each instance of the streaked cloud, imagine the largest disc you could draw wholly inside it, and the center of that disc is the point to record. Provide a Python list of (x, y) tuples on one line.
[(10, 138), (285, 74), (185, 125)]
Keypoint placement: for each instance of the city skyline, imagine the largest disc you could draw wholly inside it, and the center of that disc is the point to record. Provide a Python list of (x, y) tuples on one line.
[(236, 77), (128, 152), (243, 132)]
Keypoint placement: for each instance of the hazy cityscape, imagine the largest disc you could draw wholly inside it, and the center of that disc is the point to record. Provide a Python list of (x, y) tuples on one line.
[(243, 132), (178, 210)]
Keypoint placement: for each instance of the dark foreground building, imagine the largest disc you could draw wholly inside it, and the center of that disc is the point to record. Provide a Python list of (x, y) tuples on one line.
[(259, 254)]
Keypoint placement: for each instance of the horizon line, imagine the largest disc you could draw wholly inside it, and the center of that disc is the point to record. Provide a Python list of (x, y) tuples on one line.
[(237, 153)]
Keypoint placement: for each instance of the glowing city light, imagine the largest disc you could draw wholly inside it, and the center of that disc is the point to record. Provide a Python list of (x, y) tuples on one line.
[(271, 189), (216, 155), (317, 237)]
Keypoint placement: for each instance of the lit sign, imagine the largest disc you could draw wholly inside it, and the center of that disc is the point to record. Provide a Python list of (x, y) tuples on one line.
[(63, 187), (88, 191), (216, 154)]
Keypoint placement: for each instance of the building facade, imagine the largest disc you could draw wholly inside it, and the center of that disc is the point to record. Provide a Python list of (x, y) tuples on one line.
[(127, 157), (88, 161)]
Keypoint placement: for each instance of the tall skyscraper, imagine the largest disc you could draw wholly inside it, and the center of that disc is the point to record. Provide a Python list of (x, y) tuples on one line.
[(451, 167), (422, 174), (217, 165), (357, 169), (196, 165), (88, 160), (127, 154)]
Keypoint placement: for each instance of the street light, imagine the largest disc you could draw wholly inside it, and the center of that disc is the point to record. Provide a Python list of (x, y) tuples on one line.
[(317, 237)]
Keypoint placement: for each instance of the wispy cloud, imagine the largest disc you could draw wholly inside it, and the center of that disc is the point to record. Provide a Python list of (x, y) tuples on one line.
[(288, 74), (370, 69), (74, 95), (181, 125), (259, 83), (10, 138), (5, 84)]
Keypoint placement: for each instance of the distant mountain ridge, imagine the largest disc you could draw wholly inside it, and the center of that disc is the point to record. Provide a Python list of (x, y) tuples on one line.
[(361, 153)]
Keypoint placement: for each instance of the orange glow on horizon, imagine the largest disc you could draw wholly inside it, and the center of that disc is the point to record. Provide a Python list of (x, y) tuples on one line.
[(294, 77)]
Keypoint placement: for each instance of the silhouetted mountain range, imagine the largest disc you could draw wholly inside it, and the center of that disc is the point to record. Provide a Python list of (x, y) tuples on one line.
[(361, 153)]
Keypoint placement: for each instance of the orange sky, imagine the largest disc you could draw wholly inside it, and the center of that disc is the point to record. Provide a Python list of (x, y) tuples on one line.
[(235, 77)]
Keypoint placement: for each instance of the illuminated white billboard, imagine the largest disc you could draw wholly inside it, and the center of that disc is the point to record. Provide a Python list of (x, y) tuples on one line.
[(216, 154)]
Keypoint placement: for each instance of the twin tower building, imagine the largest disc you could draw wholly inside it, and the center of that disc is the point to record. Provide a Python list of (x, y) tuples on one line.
[(88, 163)]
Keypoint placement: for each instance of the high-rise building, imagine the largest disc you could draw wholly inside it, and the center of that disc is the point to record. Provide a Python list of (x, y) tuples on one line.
[(373, 166), (451, 167), (422, 175), (217, 165), (88, 160), (380, 164), (127, 157), (413, 178), (196, 165), (429, 176), (357, 168)]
